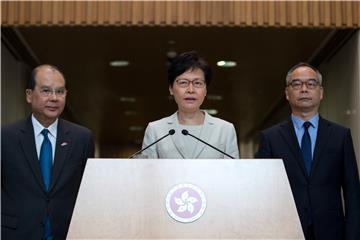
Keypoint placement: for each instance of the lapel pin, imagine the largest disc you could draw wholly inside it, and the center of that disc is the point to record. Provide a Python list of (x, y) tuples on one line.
[(64, 144)]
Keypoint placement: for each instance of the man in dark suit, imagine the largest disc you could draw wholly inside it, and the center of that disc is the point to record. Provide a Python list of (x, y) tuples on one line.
[(42, 161), (319, 160)]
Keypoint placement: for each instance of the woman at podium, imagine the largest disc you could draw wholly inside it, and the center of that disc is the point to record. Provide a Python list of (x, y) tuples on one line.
[(190, 132)]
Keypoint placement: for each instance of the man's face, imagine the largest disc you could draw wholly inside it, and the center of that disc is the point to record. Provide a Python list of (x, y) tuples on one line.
[(302, 95), (47, 99)]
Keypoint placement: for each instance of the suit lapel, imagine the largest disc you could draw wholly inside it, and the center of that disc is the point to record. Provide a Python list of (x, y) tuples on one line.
[(63, 144), (323, 136), (27, 141), (205, 134), (288, 133)]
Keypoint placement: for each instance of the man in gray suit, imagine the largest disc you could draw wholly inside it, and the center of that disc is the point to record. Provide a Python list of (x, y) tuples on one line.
[(42, 161)]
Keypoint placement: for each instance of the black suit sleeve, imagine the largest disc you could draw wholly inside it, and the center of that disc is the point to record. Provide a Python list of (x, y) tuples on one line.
[(89, 150), (264, 150), (351, 190), (90, 147)]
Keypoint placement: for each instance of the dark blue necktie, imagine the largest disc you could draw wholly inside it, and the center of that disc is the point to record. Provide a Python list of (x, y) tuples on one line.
[(46, 169), (46, 159), (306, 147)]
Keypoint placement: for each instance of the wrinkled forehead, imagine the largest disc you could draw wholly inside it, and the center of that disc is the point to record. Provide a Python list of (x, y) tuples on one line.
[(303, 73), (49, 77)]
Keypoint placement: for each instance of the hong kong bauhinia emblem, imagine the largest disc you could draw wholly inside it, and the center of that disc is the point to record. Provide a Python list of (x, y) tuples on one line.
[(185, 202)]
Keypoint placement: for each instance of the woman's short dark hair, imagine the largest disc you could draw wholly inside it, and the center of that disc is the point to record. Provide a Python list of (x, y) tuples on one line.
[(186, 61)]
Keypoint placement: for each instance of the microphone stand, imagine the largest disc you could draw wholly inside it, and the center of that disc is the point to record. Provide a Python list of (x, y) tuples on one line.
[(186, 132), (171, 132)]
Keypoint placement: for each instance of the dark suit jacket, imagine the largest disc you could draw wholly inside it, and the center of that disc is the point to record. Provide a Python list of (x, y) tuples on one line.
[(334, 169), (24, 203)]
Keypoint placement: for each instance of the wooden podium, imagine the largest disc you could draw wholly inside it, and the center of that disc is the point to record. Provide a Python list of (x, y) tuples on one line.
[(125, 199)]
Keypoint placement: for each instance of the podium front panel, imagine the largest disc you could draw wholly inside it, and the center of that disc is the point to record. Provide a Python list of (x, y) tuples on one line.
[(125, 199)]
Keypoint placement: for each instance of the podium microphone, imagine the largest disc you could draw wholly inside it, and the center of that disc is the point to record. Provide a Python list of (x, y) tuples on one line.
[(171, 132), (186, 132)]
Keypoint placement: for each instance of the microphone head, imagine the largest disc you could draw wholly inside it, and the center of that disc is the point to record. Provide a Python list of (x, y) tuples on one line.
[(185, 132), (172, 132)]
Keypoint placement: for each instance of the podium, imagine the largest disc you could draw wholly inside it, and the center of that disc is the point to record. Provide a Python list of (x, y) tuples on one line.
[(128, 199)]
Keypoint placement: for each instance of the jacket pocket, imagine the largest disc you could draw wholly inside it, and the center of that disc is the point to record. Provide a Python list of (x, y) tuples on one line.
[(9, 221)]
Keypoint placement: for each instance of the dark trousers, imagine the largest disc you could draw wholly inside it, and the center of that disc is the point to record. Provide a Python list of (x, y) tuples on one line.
[(309, 233)]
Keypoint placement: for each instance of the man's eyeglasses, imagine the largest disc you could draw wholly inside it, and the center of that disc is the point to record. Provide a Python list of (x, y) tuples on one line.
[(297, 84), (47, 92), (184, 83)]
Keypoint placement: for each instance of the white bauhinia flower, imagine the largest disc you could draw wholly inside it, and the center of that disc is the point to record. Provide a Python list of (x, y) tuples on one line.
[(184, 196), (186, 202), (192, 200), (190, 208), (179, 202), (182, 208)]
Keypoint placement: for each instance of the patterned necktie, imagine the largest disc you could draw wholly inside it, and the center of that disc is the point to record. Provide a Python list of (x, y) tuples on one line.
[(306, 147), (46, 169)]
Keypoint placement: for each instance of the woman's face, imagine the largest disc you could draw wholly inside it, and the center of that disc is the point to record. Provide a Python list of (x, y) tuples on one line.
[(189, 90)]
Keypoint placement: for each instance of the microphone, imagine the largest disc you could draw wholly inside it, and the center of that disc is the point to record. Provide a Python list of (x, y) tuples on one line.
[(186, 132), (171, 132)]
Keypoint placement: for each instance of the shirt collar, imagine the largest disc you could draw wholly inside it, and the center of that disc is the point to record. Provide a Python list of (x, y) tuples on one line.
[(208, 118), (38, 127), (298, 122)]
